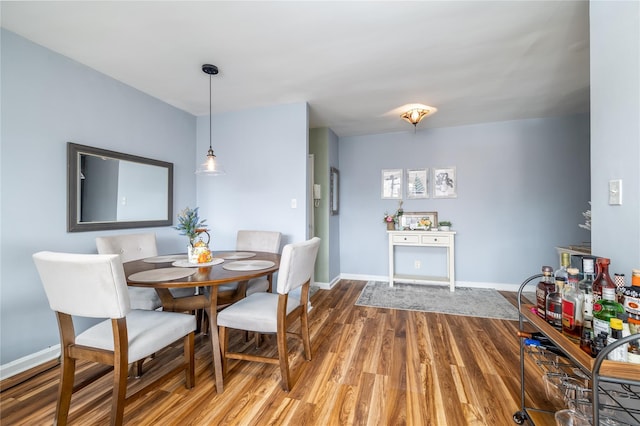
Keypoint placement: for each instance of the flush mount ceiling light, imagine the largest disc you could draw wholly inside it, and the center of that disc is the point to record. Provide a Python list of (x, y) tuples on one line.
[(415, 115), (210, 167)]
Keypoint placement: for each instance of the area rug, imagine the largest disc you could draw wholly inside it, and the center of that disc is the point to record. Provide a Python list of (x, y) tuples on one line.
[(472, 302)]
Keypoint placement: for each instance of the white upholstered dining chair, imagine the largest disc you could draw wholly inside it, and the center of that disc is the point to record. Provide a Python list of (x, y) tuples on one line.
[(94, 285), (266, 241), (134, 247), (273, 313)]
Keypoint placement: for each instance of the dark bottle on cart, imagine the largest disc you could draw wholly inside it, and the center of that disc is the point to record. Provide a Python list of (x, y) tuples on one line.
[(545, 286), (554, 309), (586, 287), (572, 307), (603, 279)]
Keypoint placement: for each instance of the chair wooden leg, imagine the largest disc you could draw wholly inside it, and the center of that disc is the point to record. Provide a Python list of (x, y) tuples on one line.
[(204, 328), (67, 373), (257, 339), (137, 368), (199, 320), (283, 357), (189, 359), (306, 341), (120, 370), (119, 392), (224, 345)]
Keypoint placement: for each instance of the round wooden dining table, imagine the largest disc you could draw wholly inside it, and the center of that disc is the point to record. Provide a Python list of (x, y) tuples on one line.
[(210, 278)]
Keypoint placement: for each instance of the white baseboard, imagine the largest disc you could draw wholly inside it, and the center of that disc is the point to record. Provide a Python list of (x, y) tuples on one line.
[(30, 361), (361, 277), (328, 286)]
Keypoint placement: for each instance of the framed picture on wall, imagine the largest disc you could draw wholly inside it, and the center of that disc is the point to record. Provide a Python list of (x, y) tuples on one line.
[(445, 182), (392, 183), (417, 183)]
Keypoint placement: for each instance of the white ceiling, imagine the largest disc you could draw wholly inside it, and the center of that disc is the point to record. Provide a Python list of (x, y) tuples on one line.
[(355, 62)]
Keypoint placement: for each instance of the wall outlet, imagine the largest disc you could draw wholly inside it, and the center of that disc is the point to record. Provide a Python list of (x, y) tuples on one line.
[(417, 264)]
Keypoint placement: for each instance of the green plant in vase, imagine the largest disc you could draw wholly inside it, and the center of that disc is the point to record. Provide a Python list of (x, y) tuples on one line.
[(444, 225), (190, 225)]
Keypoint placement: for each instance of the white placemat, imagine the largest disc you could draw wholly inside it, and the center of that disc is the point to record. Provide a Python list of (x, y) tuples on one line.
[(237, 255), (165, 259), (248, 265), (186, 264), (162, 274)]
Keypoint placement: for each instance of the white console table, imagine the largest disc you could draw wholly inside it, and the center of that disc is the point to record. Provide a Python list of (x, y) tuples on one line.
[(443, 239)]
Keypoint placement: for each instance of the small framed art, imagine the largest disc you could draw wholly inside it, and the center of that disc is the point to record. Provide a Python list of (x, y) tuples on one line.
[(392, 183), (334, 191), (445, 182), (423, 221), (417, 183)]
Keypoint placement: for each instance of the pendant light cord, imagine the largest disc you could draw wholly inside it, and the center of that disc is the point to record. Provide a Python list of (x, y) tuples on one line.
[(210, 112)]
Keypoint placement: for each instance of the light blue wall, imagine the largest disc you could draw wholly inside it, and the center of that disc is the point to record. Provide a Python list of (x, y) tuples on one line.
[(615, 131), (48, 100), (522, 186), (264, 153)]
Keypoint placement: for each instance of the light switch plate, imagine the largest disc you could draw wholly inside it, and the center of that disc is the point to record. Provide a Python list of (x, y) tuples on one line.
[(615, 192)]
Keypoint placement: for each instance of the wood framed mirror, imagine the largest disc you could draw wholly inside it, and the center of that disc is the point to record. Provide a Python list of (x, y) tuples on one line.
[(111, 190)]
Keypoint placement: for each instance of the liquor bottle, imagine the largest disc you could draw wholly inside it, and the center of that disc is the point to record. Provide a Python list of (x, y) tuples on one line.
[(621, 353), (554, 308), (603, 279), (586, 287), (561, 273), (631, 306), (618, 280), (572, 307), (632, 294), (544, 287), (605, 309)]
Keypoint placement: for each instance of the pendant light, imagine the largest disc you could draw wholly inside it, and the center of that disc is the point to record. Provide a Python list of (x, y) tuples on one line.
[(211, 166)]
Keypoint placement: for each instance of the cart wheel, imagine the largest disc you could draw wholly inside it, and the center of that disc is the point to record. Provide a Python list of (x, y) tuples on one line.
[(519, 417)]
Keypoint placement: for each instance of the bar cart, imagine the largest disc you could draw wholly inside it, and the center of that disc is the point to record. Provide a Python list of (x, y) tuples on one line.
[(615, 386)]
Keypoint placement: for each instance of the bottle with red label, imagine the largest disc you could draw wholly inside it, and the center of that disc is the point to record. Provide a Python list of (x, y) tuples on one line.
[(603, 279)]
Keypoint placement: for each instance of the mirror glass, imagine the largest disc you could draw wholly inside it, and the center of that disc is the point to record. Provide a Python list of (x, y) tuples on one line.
[(112, 190), (334, 190)]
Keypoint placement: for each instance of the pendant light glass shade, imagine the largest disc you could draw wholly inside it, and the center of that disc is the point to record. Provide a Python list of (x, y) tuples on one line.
[(211, 167)]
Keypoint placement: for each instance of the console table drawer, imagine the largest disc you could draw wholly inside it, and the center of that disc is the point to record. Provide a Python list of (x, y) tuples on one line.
[(432, 239), (408, 239)]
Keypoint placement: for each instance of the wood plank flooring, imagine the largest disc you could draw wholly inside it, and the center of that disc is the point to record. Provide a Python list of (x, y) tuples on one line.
[(370, 366)]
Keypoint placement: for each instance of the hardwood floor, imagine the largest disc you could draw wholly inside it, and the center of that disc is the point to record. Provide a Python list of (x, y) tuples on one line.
[(370, 366)]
